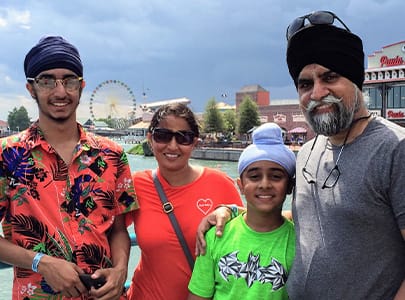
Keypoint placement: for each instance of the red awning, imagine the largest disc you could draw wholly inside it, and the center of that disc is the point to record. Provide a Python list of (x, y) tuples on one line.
[(298, 130)]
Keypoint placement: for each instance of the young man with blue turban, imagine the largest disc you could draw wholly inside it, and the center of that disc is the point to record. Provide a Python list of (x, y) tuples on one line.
[(63, 191), (254, 257)]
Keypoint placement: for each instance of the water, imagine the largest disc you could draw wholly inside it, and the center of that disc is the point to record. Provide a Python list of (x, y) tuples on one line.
[(137, 163)]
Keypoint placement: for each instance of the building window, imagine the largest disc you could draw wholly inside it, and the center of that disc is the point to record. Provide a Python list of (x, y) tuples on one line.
[(374, 97), (397, 96), (402, 96), (390, 97)]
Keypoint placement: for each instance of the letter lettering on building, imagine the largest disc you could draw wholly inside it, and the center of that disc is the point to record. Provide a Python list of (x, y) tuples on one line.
[(385, 61), (395, 114)]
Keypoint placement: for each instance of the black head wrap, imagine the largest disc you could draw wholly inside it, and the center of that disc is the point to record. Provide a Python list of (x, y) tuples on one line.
[(332, 47), (52, 52)]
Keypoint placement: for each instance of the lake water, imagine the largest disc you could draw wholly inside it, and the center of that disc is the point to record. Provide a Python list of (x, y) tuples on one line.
[(137, 162)]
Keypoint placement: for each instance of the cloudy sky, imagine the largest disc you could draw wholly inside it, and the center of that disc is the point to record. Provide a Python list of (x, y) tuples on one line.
[(163, 49)]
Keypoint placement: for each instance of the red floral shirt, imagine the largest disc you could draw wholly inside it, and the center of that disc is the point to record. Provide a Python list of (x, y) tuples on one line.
[(58, 209)]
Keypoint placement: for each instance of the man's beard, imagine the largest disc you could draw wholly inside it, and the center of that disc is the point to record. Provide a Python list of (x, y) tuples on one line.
[(333, 122)]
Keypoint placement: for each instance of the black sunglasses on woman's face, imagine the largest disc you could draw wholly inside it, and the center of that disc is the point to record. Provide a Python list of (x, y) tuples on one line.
[(164, 136)]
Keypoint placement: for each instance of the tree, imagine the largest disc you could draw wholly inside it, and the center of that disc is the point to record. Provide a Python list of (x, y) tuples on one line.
[(229, 117), (108, 121), (248, 115), (18, 119), (213, 121)]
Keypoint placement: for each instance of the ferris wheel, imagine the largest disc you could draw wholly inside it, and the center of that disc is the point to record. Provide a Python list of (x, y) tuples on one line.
[(115, 101)]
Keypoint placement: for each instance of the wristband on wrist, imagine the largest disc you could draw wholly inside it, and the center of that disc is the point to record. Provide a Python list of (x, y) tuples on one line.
[(233, 209), (35, 261)]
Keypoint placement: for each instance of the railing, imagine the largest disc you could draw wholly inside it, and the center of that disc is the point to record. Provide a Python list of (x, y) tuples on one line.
[(224, 144)]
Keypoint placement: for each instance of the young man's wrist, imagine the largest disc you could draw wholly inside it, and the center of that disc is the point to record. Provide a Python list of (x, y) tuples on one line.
[(36, 260)]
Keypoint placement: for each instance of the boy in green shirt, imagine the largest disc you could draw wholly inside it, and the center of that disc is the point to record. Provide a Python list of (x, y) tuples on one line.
[(253, 257)]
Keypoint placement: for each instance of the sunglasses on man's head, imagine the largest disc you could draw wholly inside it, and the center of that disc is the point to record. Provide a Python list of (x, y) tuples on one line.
[(321, 17), (163, 135)]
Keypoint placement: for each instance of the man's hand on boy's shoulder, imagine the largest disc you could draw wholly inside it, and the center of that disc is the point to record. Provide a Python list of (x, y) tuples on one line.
[(287, 214), (217, 218)]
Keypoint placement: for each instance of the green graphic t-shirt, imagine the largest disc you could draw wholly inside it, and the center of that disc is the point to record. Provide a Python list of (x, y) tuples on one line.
[(244, 264)]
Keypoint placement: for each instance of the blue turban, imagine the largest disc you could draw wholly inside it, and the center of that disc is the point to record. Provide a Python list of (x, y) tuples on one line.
[(52, 52), (268, 145)]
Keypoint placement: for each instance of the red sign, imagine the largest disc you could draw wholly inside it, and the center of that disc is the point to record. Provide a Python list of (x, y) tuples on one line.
[(399, 114), (385, 61)]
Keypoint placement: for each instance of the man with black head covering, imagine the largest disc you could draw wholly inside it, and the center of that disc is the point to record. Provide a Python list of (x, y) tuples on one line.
[(349, 210), (63, 191)]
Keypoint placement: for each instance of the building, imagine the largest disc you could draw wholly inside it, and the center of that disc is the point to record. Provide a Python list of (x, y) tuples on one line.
[(258, 94), (137, 132), (4, 129), (383, 89), (285, 112), (384, 85), (223, 107), (153, 106)]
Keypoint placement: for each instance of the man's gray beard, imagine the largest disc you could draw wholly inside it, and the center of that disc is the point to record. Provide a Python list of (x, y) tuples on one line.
[(331, 123)]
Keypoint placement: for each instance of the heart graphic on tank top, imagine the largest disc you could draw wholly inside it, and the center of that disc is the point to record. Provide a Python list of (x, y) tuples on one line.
[(204, 205)]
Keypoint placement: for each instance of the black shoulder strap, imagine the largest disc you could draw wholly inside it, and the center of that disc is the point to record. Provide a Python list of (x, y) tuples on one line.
[(168, 209)]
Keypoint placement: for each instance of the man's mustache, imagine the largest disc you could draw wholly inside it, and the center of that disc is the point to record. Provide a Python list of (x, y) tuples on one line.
[(326, 100)]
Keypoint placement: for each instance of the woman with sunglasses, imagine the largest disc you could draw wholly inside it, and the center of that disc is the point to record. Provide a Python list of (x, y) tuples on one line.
[(193, 191)]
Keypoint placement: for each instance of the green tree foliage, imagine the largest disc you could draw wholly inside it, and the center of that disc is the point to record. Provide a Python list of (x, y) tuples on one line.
[(18, 119), (229, 117), (108, 121), (248, 115), (213, 121)]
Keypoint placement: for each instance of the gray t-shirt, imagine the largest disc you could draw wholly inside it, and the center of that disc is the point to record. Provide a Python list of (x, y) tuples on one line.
[(349, 244)]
